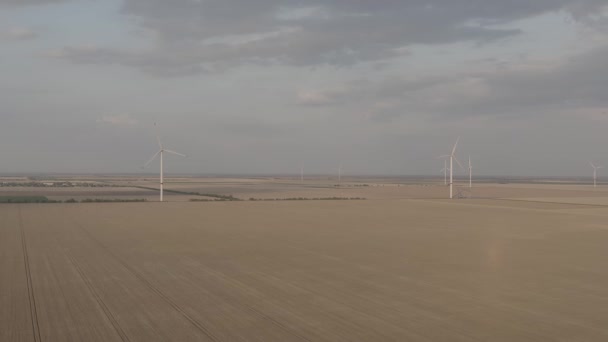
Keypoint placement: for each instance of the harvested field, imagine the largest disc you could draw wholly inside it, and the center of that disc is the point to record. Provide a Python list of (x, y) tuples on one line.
[(183, 189), (277, 188), (599, 201), (378, 270)]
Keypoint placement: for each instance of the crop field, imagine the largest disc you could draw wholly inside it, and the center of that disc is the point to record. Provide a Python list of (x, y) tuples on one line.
[(184, 189), (277, 188), (375, 270)]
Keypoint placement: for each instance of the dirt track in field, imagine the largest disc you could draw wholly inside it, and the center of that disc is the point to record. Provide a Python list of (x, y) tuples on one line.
[(378, 270)]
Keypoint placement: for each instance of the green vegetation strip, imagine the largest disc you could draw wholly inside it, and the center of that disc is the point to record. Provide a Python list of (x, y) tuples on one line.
[(25, 199), (286, 199), (43, 199), (56, 184), (310, 199), (193, 193), (102, 200)]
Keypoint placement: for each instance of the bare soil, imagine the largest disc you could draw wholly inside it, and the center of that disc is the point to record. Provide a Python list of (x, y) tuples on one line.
[(376, 270)]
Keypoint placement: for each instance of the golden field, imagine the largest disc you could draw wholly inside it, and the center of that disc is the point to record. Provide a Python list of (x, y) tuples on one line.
[(514, 263)]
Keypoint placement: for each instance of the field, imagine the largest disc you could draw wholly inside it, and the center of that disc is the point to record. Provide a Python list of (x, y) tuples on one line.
[(515, 263)]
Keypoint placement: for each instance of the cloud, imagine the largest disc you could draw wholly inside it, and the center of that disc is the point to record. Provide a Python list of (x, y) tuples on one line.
[(577, 85), (22, 3), (205, 36), (321, 97), (18, 34), (117, 120), (84, 54), (380, 119), (577, 82), (251, 128)]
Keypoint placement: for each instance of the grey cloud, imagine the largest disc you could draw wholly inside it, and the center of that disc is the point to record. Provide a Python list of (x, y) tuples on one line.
[(251, 128), (117, 120), (580, 82), (87, 54), (198, 36), (21, 3), (17, 34), (328, 96), (365, 91)]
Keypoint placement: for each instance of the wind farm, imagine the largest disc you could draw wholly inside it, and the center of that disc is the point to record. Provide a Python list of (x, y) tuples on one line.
[(303, 171), (225, 258), (276, 258)]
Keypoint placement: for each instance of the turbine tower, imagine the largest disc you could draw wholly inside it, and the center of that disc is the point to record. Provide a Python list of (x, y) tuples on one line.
[(453, 158), (161, 152), (340, 173), (595, 168), (470, 173)]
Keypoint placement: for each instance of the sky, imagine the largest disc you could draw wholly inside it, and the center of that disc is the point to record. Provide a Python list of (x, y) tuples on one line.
[(382, 87)]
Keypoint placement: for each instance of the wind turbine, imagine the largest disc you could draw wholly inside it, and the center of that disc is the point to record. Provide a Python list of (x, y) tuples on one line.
[(453, 158), (340, 173), (301, 172), (161, 152), (595, 168), (445, 172), (470, 173)]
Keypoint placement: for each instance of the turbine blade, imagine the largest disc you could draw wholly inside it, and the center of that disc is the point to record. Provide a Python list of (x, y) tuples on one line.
[(455, 145), (151, 159), (593, 166), (159, 143), (444, 156), (176, 153), (158, 136), (459, 164)]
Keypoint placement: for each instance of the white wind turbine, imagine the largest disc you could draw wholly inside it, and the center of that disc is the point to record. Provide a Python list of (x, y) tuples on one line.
[(470, 173), (453, 158), (595, 168), (445, 172), (340, 173), (161, 152)]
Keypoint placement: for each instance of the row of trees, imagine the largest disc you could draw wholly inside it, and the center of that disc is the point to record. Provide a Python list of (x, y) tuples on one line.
[(43, 199), (53, 184)]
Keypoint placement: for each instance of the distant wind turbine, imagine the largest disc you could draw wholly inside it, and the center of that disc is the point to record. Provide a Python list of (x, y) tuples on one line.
[(340, 173), (161, 152), (445, 172), (301, 172), (470, 173), (453, 158), (595, 168)]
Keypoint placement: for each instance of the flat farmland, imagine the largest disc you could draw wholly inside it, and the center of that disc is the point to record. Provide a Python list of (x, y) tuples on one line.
[(377, 270), (183, 189), (282, 188)]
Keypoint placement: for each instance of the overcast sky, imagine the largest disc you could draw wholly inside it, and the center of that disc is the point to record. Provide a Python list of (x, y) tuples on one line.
[(263, 86)]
